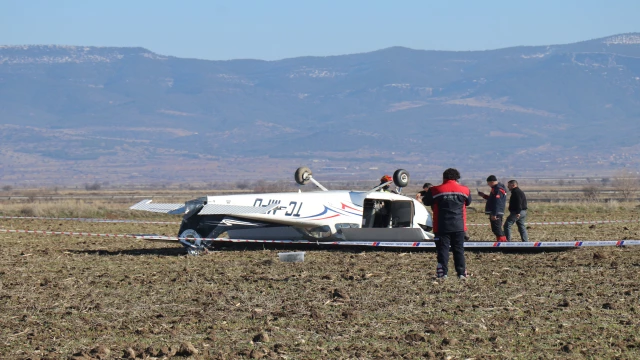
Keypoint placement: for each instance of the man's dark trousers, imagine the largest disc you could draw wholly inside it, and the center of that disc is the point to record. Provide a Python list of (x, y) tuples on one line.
[(496, 227), (455, 240)]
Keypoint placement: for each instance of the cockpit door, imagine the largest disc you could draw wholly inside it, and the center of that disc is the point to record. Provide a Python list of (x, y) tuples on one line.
[(387, 213)]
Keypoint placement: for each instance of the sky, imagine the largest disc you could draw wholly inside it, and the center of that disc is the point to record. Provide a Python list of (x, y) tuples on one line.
[(272, 30)]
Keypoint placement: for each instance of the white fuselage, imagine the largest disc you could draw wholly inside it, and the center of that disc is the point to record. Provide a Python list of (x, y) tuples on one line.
[(308, 210)]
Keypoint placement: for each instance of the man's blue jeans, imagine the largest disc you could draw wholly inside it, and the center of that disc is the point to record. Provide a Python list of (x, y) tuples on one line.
[(522, 228)]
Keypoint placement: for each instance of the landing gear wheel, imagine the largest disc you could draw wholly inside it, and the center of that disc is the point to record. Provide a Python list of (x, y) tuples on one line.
[(303, 175), (193, 242), (401, 178)]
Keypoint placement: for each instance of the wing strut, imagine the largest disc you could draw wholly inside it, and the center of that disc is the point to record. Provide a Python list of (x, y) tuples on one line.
[(317, 184)]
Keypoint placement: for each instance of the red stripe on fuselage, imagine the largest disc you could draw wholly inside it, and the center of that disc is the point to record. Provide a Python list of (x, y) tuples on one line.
[(328, 217), (344, 206)]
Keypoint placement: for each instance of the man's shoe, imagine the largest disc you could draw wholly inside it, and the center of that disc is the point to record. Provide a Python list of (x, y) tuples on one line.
[(463, 276)]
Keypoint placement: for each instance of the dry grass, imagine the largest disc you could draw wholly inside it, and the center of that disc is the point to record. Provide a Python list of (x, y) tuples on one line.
[(61, 296), (61, 208), (586, 208), (84, 208)]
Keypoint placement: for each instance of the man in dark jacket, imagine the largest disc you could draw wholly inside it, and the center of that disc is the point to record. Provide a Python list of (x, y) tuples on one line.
[(496, 200), (449, 203), (423, 193), (517, 211)]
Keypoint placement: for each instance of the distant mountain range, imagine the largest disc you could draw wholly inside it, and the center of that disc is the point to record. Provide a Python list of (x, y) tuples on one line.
[(73, 114)]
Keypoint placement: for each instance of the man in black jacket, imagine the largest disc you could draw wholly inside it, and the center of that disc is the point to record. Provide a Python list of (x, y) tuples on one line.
[(496, 200), (423, 193), (517, 211)]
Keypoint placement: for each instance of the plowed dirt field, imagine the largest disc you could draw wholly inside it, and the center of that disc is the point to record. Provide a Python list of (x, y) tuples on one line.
[(82, 297)]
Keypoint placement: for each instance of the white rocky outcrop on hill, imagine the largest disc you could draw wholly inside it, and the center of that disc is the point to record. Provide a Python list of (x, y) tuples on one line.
[(315, 73), (59, 54), (623, 39)]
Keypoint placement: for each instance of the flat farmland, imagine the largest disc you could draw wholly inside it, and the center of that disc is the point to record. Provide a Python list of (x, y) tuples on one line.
[(91, 297)]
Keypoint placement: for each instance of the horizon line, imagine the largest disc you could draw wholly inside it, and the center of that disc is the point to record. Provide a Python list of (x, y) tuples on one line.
[(2, 46)]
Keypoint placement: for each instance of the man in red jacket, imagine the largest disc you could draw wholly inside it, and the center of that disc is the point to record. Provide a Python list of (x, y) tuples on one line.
[(449, 203)]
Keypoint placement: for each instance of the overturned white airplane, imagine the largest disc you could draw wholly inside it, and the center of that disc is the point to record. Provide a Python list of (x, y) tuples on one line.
[(319, 216)]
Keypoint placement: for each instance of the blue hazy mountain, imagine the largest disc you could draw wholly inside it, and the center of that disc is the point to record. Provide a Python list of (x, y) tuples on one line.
[(74, 103)]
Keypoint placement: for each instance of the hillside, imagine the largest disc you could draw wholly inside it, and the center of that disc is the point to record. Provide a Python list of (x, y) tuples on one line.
[(75, 114)]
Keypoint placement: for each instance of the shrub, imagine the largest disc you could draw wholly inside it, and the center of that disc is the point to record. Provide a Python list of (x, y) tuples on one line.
[(27, 211), (242, 185), (626, 183), (262, 186), (590, 192), (93, 187)]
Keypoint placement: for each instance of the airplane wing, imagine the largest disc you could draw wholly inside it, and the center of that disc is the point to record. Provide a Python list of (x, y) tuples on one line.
[(146, 205), (209, 209), (258, 213)]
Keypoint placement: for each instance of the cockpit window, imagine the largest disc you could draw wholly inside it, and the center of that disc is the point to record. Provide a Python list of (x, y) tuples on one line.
[(357, 197)]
